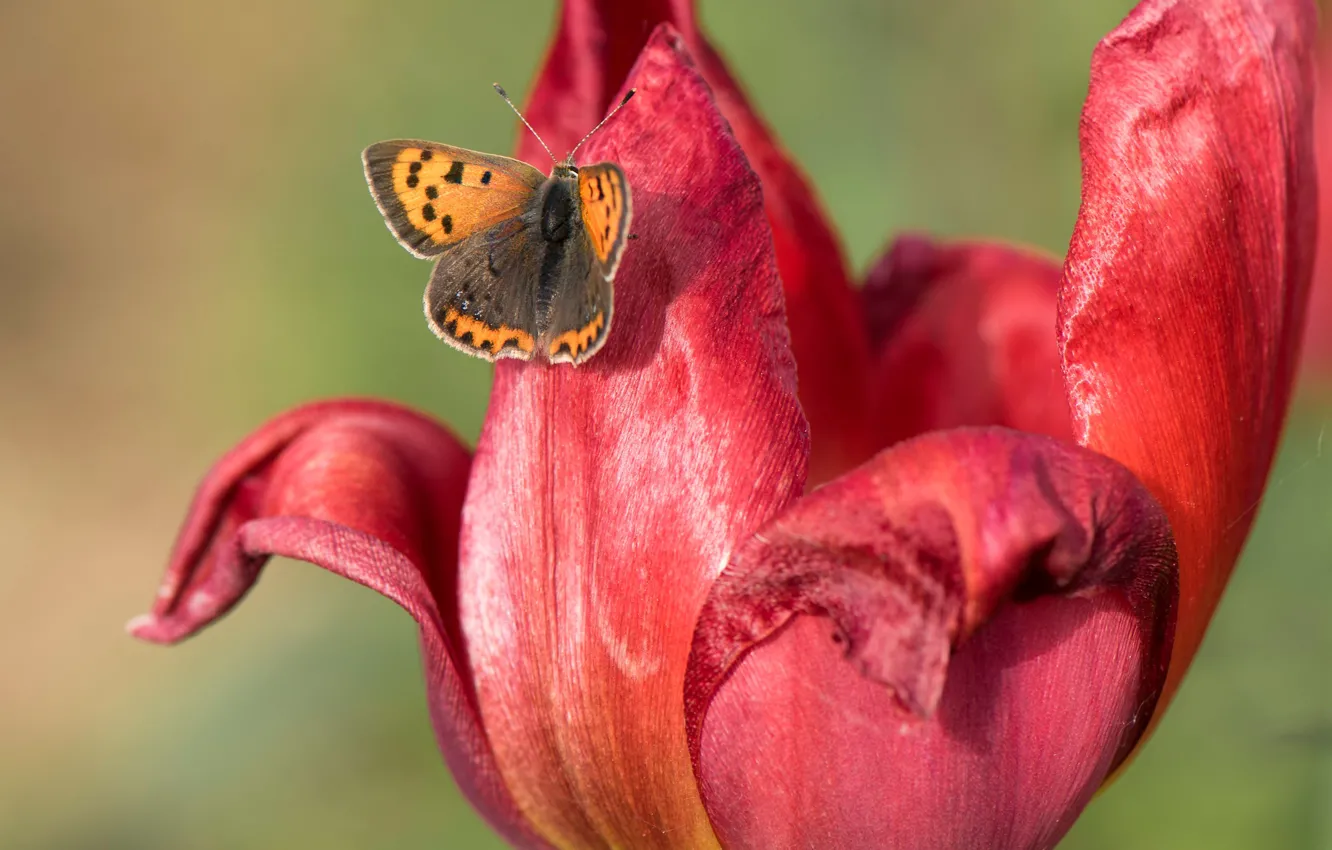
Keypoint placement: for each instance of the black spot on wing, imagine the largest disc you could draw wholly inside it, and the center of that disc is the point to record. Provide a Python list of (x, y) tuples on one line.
[(455, 174)]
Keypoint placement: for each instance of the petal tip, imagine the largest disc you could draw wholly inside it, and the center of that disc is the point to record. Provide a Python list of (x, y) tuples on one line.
[(152, 629)]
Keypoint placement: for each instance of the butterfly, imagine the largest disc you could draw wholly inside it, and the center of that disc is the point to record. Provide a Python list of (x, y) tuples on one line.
[(525, 261)]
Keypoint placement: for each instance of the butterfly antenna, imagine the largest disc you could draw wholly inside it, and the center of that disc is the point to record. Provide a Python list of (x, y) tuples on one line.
[(505, 95), (569, 158)]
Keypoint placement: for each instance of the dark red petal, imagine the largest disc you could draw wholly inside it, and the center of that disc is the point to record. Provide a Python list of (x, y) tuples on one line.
[(587, 63), (964, 335), (948, 647), (1318, 328), (373, 493), (597, 43), (1186, 280), (606, 498), (827, 329)]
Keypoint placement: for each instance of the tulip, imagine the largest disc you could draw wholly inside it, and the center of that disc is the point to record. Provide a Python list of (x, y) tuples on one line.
[(1318, 333), (795, 564)]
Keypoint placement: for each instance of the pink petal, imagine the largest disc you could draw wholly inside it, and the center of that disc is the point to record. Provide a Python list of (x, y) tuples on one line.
[(371, 492), (606, 498), (964, 335), (1187, 277), (948, 647), (592, 51)]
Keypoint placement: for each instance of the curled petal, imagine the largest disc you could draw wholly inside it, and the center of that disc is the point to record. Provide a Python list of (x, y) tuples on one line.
[(606, 498), (964, 335), (596, 43), (948, 647), (368, 491), (1186, 280)]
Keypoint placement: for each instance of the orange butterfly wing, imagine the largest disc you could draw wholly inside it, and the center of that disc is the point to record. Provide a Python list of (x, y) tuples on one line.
[(606, 212), (434, 196)]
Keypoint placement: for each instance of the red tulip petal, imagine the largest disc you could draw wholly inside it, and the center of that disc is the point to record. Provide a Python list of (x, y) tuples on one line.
[(606, 498), (373, 493), (1317, 357), (596, 45), (1186, 280), (964, 335), (823, 312), (1005, 603), (1317, 360), (592, 51)]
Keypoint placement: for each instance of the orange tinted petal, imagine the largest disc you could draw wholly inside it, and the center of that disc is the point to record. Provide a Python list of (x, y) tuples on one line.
[(605, 499), (1187, 276)]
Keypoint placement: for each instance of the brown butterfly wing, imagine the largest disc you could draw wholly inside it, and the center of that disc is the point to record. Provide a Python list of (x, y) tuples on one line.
[(577, 322), (482, 293), (434, 196), (579, 318)]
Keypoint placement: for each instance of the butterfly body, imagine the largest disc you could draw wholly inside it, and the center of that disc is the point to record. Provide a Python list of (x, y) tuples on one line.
[(524, 261)]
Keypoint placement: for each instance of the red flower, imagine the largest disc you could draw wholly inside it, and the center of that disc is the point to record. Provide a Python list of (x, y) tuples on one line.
[(640, 629), (1318, 334)]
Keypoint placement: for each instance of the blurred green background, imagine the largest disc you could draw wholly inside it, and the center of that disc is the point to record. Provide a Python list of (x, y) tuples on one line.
[(188, 247)]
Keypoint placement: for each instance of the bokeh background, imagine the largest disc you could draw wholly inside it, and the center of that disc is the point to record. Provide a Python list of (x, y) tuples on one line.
[(187, 247)]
